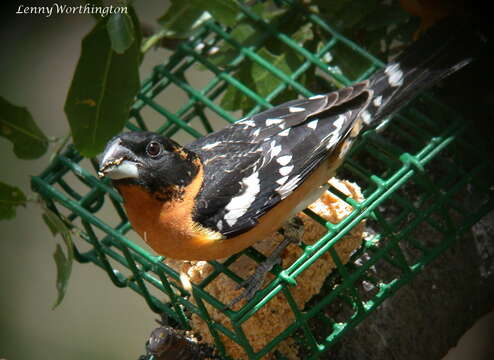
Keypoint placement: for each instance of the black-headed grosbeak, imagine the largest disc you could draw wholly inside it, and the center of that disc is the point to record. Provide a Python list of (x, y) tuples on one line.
[(223, 192)]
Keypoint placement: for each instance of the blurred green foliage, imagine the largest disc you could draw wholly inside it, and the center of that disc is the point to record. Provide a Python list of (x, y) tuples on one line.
[(17, 125), (10, 198)]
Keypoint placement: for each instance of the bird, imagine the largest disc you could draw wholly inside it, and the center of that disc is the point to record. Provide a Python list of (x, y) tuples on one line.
[(223, 192)]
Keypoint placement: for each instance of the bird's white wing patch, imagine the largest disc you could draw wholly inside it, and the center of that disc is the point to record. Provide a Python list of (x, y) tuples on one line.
[(239, 204), (395, 75)]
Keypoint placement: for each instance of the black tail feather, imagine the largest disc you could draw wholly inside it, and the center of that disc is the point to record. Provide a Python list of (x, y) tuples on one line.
[(443, 50)]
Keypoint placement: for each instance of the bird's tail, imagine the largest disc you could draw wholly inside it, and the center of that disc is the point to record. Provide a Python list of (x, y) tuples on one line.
[(444, 49)]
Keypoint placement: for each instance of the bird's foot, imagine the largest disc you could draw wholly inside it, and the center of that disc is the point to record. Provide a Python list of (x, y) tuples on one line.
[(292, 233), (254, 282)]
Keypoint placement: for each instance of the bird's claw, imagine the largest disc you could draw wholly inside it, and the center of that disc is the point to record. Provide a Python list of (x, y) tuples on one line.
[(254, 282), (291, 232)]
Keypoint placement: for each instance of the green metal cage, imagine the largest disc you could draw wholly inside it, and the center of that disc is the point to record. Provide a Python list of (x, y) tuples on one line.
[(413, 176)]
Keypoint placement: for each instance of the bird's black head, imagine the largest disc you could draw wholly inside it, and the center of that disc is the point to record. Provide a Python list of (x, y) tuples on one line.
[(149, 160)]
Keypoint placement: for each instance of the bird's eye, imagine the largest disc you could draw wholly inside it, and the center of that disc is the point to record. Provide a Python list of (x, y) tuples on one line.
[(153, 149)]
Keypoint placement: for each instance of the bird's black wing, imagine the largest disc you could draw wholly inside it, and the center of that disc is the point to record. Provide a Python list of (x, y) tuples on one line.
[(255, 163)]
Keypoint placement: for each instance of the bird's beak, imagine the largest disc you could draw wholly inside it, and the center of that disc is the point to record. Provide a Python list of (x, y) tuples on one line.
[(116, 162)]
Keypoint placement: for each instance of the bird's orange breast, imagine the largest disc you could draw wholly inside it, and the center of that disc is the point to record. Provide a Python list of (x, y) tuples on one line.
[(167, 226)]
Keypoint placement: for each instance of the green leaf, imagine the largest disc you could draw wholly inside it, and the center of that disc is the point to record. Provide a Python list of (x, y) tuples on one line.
[(182, 18), (354, 12), (10, 198), (102, 90), (264, 79), (225, 11), (303, 34), (17, 125), (235, 99), (121, 32), (345, 14), (273, 14), (54, 223), (331, 8), (64, 269), (349, 62), (373, 24), (62, 261), (245, 34), (286, 95)]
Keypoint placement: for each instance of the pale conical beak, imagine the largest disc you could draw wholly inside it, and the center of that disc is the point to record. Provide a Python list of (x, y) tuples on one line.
[(116, 162)]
